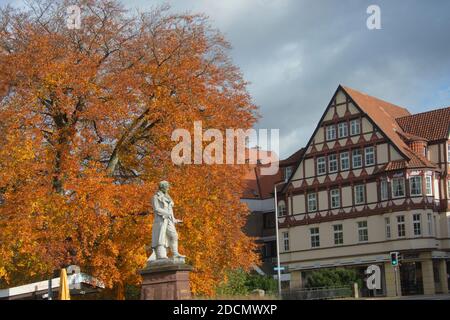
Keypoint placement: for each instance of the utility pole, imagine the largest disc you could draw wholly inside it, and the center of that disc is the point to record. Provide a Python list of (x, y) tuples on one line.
[(395, 277), (277, 238)]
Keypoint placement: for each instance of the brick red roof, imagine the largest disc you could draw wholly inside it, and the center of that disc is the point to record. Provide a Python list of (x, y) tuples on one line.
[(261, 186), (432, 125), (382, 113), (398, 124), (293, 158), (416, 161)]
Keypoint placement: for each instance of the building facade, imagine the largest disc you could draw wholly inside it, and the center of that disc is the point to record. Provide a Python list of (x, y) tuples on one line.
[(374, 179), (259, 197)]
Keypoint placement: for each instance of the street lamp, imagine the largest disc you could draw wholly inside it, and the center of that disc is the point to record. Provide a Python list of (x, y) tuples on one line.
[(277, 237)]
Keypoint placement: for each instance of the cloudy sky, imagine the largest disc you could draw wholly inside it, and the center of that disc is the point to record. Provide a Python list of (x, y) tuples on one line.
[(296, 52)]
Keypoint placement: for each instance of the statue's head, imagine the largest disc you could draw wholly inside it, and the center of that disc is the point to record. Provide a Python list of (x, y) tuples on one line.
[(164, 186)]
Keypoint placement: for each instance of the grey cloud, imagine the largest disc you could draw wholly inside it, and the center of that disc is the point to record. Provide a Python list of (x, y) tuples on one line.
[(295, 53)]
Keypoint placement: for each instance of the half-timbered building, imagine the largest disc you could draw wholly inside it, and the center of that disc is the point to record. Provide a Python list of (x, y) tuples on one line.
[(373, 179)]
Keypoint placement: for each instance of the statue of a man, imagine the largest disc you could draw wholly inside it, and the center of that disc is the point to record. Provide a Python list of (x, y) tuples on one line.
[(164, 234)]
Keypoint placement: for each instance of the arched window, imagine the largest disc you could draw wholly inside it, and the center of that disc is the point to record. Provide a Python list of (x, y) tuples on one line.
[(281, 208)]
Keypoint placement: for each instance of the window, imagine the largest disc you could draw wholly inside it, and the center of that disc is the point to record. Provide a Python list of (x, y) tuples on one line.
[(384, 193), (401, 226), (331, 132), (321, 165), (398, 187), (335, 198), (359, 194), (332, 163), (269, 220), (428, 185), (387, 225), (430, 223), (315, 237), (287, 173), (345, 161), (363, 233), (448, 151), (415, 185), (370, 156), (356, 158), (269, 249), (342, 130), (281, 208), (417, 224), (286, 241), (312, 202), (448, 188), (338, 234), (355, 127), (436, 231)]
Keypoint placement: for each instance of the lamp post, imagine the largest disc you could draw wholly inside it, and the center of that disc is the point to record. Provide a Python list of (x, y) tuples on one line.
[(277, 237)]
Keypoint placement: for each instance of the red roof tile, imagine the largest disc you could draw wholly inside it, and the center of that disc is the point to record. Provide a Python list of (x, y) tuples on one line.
[(382, 113), (432, 125), (398, 124), (261, 186), (292, 159)]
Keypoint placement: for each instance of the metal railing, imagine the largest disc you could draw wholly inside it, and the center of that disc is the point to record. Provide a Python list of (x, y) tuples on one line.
[(320, 293)]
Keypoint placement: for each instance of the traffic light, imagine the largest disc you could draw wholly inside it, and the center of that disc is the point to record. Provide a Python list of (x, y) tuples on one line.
[(394, 258)]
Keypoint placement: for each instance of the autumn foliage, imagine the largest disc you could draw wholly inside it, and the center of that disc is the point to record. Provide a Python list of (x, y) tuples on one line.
[(86, 118)]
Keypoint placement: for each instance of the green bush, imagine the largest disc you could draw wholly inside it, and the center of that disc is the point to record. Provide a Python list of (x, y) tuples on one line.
[(241, 283), (338, 277)]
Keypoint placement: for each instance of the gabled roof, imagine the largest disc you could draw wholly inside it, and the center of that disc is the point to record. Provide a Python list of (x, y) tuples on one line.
[(383, 114), (293, 158), (432, 125), (416, 161), (261, 186)]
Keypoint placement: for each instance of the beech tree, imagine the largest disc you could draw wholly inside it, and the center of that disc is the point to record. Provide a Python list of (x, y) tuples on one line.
[(86, 117)]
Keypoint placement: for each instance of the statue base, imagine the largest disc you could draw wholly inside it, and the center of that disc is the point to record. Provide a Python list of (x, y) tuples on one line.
[(166, 279)]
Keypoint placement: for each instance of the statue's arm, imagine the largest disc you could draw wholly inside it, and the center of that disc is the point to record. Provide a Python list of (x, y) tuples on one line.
[(158, 209)]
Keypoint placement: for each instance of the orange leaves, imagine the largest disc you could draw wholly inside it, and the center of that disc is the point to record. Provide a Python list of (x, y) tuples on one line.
[(86, 120)]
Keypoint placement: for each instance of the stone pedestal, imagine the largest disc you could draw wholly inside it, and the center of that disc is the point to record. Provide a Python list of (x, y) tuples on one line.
[(166, 280)]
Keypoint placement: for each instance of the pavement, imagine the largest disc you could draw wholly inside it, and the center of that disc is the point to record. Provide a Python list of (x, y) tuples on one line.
[(415, 297)]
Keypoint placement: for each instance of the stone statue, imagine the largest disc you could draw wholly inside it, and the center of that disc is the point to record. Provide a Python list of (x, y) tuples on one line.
[(164, 234)]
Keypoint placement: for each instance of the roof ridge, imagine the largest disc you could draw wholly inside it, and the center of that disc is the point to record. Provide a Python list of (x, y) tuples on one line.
[(373, 97), (423, 112)]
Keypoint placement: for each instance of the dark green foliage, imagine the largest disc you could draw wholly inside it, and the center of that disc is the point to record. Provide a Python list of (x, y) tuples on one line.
[(338, 277), (132, 292), (242, 283)]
